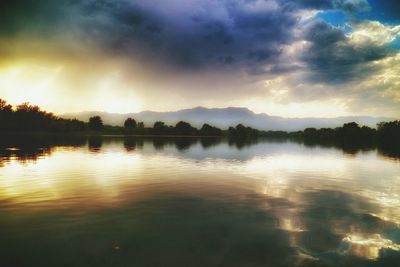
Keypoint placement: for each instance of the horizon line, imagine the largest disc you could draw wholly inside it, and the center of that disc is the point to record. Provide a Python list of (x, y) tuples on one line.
[(222, 108)]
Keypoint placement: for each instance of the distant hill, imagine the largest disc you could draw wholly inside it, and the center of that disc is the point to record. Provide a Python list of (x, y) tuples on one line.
[(225, 117)]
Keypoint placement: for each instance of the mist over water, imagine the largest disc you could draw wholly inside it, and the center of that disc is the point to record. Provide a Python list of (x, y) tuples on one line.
[(196, 202)]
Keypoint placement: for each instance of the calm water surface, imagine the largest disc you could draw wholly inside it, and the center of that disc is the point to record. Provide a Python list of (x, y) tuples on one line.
[(166, 202)]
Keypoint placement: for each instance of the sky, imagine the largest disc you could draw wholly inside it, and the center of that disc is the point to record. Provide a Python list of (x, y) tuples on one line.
[(304, 58)]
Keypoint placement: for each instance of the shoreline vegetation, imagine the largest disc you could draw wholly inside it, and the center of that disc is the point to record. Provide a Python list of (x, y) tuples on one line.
[(27, 119)]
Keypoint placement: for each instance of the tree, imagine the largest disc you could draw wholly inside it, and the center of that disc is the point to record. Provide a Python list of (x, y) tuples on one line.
[(208, 130), (389, 132), (140, 125), (30, 117), (351, 127), (96, 123), (242, 131), (6, 113), (350, 132), (232, 131), (310, 133), (4, 106), (185, 128), (130, 123), (26, 117), (159, 125)]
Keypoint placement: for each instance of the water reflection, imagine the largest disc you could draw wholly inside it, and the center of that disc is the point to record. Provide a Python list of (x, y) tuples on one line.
[(188, 202), (210, 142), (30, 148), (95, 144), (27, 148)]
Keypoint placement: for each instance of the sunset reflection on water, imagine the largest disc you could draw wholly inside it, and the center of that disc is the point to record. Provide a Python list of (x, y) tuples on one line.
[(312, 202)]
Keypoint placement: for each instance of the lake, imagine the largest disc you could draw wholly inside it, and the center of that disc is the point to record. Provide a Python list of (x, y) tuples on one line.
[(187, 202)]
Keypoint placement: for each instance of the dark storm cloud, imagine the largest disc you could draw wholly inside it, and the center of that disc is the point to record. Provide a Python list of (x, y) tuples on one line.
[(244, 34), (242, 38), (332, 58), (245, 37), (30, 15), (118, 27)]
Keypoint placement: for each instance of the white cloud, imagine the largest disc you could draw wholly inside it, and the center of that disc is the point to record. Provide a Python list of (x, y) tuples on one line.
[(373, 32)]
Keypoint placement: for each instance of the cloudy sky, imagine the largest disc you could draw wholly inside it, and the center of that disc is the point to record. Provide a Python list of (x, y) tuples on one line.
[(292, 58)]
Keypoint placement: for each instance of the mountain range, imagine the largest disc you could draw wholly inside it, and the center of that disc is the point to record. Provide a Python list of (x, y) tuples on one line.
[(225, 117)]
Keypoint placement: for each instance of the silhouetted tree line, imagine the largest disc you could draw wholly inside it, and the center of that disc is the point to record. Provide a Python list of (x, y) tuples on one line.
[(186, 129), (96, 123), (241, 131), (349, 135), (352, 133), (27, 117)]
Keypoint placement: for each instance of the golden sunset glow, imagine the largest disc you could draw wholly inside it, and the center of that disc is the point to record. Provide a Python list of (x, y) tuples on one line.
[(49, 87)]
